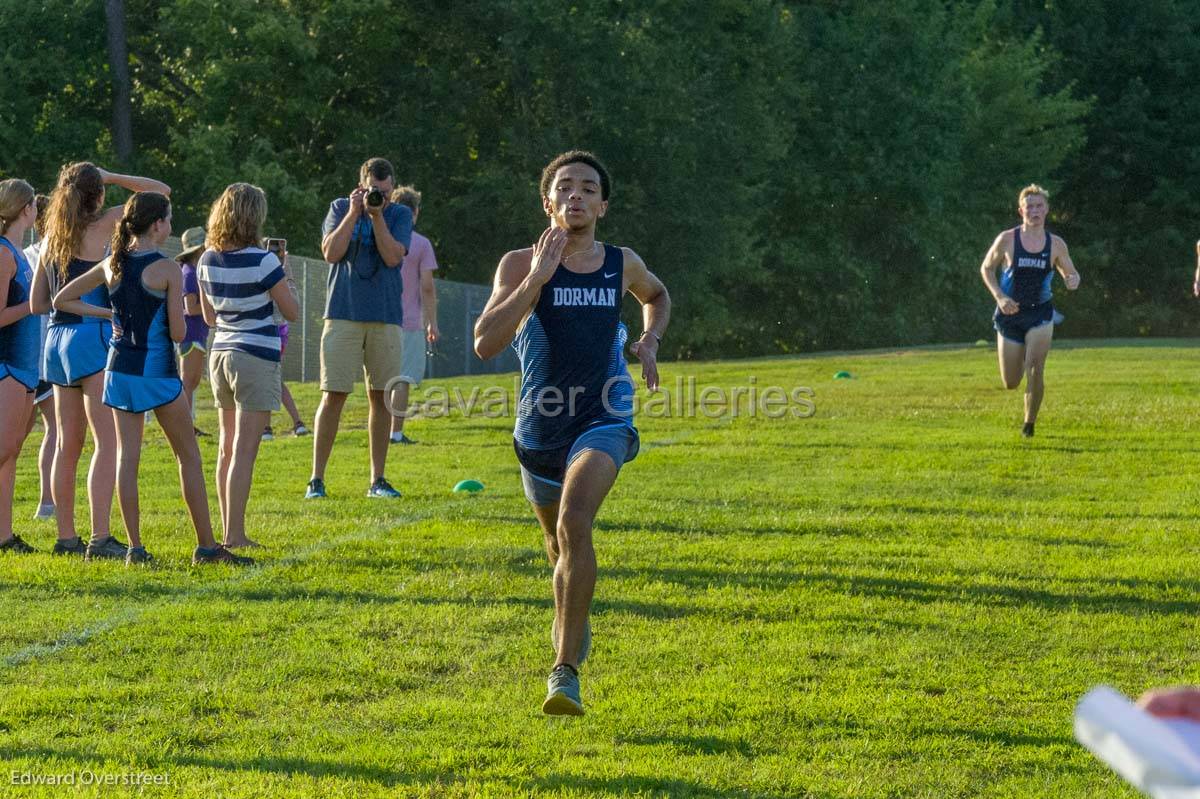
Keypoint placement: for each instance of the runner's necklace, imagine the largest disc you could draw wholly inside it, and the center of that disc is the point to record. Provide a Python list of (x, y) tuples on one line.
[(591, 251)]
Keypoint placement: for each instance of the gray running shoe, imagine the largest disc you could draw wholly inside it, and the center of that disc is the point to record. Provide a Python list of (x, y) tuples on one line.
[(219, 554), (562, 693), (137, 555), (382, 488), (584, 648), (108, 548), (15, 544), (45, 511), (70, 546)]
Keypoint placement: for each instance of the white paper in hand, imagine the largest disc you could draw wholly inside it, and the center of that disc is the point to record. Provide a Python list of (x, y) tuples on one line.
[(1158, 757)]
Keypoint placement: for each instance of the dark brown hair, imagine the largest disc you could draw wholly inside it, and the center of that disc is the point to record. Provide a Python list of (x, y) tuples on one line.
[(141, 211), (378, 168), (576, 157)]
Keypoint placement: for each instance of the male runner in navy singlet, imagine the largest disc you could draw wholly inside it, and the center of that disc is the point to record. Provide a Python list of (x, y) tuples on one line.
[(558, 303), (1024, 319)]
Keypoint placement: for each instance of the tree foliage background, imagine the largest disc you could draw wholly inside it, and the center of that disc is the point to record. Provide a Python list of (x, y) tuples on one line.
[(803, 175)]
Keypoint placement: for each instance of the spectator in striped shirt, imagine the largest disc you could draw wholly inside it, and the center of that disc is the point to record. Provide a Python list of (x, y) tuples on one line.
[(241, 286)]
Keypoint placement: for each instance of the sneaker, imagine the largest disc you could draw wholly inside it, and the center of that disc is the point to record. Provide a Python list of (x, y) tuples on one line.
[(400, 438), (107, 548), (300, 429), (199, 433), (382, 488), (562, 693), (268, 434), (70, 546), (15, 544), (219, 554), (1027, 430), (316, 489), (137, 555), (45, 511), (584, 648)]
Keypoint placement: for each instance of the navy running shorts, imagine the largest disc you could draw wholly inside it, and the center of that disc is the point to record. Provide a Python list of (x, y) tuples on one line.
[(543, 470), (1014, 327)]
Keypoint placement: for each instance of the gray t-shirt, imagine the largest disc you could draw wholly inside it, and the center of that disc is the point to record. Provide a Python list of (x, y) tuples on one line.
[(362, 288)]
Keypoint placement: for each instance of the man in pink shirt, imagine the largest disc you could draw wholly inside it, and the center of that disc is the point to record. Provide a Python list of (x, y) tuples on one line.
[(420, 327)]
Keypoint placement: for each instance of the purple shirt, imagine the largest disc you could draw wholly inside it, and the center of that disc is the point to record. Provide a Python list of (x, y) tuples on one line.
[(419, 259), (195, 330)]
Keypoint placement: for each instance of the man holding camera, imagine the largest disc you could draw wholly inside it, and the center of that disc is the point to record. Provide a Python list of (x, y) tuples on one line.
[(364, 239)]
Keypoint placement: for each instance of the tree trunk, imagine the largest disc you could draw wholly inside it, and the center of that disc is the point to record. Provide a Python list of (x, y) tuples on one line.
[(118, 61)]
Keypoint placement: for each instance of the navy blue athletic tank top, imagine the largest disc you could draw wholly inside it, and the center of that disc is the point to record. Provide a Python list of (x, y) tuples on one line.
[(144, 347), (97, 296), (20, 342), (572, 351), (1027, 279)]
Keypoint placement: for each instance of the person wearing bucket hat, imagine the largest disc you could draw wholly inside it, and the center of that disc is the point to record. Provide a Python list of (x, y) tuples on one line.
[(193, 350)]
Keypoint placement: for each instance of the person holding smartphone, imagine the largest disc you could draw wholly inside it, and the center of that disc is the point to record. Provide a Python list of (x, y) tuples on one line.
[(241, 285), (364, 239)]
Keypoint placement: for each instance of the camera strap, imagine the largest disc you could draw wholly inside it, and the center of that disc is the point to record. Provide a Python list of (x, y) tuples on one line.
[(357, 242)]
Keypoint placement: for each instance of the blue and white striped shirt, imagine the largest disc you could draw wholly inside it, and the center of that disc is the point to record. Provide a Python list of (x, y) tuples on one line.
[(238, 284)]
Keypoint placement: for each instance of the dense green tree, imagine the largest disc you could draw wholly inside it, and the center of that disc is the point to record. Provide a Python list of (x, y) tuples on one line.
[(1130, 199), (802, 174)]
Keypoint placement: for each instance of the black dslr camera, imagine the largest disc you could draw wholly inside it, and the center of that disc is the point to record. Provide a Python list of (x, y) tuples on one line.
[(374, 198)]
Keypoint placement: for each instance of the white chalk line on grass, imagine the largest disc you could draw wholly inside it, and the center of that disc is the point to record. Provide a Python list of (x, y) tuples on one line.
[(83, 635)]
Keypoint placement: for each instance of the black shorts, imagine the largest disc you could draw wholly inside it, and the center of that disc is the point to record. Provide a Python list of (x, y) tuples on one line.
[(1014, 326), (543, 470)]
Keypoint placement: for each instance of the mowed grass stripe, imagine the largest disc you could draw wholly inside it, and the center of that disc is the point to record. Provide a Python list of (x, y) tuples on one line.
[(897, 597), (230, 578)]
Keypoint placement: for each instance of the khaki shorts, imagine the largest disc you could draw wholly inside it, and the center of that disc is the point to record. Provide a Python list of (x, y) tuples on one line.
[(244, 381), (412, 362), (352, 348)]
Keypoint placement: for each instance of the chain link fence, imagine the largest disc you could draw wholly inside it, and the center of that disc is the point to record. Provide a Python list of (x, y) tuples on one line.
[(459, 305)]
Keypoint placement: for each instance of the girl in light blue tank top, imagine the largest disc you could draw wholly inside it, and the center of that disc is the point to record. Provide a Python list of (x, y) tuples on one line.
[(19, 333)]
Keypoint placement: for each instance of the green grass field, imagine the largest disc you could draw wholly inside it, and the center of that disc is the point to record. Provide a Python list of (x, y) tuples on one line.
[(898, 597)]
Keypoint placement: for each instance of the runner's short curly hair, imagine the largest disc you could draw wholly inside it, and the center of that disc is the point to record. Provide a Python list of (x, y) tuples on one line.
[(576, 157)]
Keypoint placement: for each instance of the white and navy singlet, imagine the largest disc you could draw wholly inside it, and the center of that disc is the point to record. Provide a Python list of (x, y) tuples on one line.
[(572, 350)]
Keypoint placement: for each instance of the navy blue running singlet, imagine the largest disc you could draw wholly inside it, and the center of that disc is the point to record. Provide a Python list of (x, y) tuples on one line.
[(1027, 279), (97, 296), (572, 350), (144, 347)]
